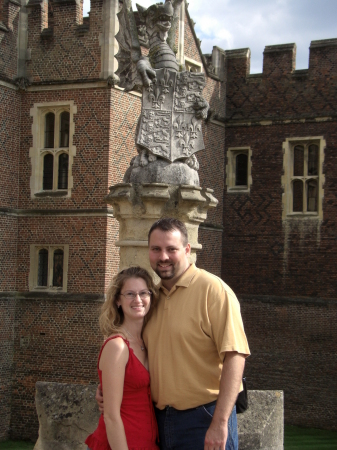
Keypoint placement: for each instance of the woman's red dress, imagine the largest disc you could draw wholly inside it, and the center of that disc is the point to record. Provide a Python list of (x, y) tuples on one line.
[(137, 411)]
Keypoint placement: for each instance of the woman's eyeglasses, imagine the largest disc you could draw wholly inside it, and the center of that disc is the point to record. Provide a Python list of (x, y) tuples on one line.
[(132, 295)]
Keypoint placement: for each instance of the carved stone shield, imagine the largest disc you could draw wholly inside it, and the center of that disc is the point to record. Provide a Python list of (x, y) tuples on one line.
[(168, 126)]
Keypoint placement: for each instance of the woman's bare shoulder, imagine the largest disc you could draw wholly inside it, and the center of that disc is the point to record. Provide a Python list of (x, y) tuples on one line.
[(114, 350), (116, 341)]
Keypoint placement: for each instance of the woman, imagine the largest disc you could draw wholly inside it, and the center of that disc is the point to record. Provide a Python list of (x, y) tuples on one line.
[(129, 422)]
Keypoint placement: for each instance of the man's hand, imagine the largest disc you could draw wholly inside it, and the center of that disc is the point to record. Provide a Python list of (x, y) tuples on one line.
[(230, 382), (99, 398), (216, 436)]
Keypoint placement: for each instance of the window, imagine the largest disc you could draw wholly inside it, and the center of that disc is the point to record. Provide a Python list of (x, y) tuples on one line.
[(48, 267), (238, 169), (303, 178), (52, 152), (192, 66)]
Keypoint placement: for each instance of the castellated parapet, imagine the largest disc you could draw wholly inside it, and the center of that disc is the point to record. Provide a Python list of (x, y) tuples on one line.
[(61, 46), (9, 23), (281, 92)]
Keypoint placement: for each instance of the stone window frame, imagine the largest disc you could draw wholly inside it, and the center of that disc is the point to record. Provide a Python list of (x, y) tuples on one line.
[(38, 151), (34, 265), (193, 64), (232, 153), (287, 178)]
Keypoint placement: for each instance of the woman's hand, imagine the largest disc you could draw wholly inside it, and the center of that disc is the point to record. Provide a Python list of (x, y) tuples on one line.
[(99, 398)]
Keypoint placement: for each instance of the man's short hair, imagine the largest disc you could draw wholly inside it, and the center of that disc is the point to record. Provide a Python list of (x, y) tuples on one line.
[(170, 224)]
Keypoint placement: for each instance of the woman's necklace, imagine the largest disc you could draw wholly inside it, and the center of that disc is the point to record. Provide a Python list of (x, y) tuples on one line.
[(142, 347)]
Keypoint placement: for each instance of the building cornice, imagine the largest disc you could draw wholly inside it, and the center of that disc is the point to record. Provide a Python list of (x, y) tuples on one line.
[(60, 296), (266, 121), (279, 300), (106, 212)]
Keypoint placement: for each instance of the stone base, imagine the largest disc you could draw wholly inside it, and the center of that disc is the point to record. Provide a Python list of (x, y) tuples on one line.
[(261, 426), (161, 171), (68, 413)]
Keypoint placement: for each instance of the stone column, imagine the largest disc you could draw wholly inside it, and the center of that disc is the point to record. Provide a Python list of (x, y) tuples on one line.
[(108, 43), (138, 206)]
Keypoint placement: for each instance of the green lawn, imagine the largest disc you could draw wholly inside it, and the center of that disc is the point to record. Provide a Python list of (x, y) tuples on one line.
[(17, 445), (295, 438)]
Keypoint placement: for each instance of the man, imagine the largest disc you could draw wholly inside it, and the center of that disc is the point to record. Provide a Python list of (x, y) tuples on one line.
[(196, 348)]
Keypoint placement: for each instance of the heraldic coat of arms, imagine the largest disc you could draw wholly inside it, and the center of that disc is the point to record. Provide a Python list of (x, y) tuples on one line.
[(169, 127)]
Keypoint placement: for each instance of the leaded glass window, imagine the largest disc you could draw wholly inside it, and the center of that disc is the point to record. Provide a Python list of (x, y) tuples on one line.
[(304, 180), (58, 268), (42, 276), (63, 171), (48, 170), (64, 129), (49, 130), (241, 171)]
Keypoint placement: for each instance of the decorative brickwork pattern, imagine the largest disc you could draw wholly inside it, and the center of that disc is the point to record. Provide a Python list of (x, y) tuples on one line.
[(278, 93), (291, 257)]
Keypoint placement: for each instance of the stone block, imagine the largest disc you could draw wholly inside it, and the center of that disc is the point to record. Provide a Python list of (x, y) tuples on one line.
[(261, 426), (67, 413)]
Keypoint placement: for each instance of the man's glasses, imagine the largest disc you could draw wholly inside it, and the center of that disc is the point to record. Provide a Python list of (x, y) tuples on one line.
[(132, 295)]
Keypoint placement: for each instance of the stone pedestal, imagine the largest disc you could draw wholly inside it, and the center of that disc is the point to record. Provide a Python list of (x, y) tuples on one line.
[(138, 206)]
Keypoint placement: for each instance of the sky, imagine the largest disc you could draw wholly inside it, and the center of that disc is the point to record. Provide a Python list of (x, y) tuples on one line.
[(232, 24)]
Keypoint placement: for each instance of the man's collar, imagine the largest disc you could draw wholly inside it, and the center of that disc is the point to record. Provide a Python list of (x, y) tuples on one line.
[(184, 280)]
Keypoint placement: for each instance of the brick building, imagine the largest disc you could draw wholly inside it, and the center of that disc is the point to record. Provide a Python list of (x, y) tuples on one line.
[(67, 134)]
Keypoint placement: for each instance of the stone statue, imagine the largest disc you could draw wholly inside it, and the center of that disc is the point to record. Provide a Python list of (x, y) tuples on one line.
[(169, 130)]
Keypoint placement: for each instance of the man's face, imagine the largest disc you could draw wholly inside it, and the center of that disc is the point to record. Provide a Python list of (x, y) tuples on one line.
[(168, 256)]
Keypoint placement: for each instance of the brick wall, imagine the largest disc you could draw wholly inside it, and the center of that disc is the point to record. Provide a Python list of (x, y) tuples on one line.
[(279, 92), (191, 50), (9, 20), (9, 185), (268, 262), (209, 257), (68, 49), (283, 270), (10, 146), (7, 314), (56, 339), (293, 342), (292, 257)]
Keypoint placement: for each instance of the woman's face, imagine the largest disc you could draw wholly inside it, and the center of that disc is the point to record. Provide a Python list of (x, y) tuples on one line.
[(134, 306)]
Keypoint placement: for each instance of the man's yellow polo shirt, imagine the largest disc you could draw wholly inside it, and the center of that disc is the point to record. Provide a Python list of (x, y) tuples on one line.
[(190, 331)]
